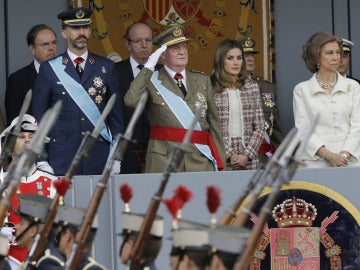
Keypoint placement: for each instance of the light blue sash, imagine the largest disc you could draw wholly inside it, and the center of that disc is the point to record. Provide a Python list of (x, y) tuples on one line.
[(80, 96), (183, 113)]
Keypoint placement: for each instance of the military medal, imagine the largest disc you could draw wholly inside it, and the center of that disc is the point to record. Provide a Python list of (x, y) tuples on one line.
[(98, 82), (269, 99), (98, 99), (92, 91), (201, 101), (39, 188)]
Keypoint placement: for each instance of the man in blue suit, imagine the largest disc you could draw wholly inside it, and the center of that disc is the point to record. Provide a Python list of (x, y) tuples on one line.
[(83, 82)]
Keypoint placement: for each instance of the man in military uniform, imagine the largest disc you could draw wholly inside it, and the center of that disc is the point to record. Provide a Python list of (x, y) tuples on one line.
[(273, 133), (227, 243), (84, 82), (345, 59), (33, 211), (174, 94), (190, 246), (35, 181), (70, 219), (130, 230)]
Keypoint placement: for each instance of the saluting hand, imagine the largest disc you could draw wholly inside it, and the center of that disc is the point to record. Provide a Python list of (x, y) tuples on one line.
[(153, 59)]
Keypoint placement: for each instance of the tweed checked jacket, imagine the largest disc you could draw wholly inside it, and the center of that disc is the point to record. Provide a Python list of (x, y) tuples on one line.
[(253, 123)]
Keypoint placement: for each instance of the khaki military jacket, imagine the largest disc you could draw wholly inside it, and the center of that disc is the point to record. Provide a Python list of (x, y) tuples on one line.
[(268, 93), (198, 89)]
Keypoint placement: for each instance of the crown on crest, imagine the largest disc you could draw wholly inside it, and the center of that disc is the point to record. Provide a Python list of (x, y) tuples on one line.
[(294, 212)]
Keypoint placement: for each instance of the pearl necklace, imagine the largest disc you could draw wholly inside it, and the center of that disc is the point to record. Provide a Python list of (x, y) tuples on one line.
[(329, 85)]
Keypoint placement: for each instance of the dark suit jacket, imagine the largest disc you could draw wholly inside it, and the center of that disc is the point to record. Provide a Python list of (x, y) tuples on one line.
[(131, 163), (100, 82), (17, 85)]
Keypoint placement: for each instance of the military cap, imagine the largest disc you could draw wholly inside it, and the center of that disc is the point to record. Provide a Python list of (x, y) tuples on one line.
[(29, 124), (248, 45), (67, 215), (195, 237), (191, 235), (228, 239), (33, 207), (72, 216), (171, 36), (347, 45), (132, 223), (76, 16)]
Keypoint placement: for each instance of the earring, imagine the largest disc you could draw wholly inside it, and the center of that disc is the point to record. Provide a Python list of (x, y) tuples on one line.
[(318, 65)]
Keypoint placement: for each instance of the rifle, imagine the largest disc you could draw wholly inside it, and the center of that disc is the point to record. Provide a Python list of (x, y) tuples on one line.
[(176, 156), (289, 162), (29, 157), (255, 186), (42, 236), (11, 136), (117, 153)]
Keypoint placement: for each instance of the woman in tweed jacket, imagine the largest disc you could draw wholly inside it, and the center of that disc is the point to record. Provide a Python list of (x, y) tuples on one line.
[(239, 107)]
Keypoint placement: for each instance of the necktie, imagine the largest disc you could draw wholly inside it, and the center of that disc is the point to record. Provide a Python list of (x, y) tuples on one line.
[(178, 77), (140, 66), (79, 69)]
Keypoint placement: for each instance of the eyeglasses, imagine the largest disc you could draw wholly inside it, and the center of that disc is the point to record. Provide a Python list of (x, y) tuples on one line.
[(47, 45), (140, 41)]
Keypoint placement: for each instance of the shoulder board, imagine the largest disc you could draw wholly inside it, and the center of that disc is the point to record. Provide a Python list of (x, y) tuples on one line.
[(258, 78), (197, 71), (48, 256)]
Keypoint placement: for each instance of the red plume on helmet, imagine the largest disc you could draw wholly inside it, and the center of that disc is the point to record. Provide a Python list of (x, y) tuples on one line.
[(213, 201), (174, 205), (61, 186), (184, 195), (126, 194)]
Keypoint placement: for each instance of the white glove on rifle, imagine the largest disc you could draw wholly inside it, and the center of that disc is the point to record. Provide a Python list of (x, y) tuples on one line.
[(154, 58), (8, 233), (45, 166), (116, 167)]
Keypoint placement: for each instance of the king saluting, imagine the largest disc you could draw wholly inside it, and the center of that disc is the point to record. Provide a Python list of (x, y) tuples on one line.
[(84, 82), (174, 93)]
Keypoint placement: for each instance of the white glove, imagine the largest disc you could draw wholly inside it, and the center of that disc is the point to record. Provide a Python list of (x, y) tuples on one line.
[(154, 57), (8, 233), (116, 167), (45, 166)]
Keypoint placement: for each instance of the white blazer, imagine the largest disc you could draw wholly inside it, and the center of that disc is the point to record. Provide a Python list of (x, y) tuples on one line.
[(339, 122)]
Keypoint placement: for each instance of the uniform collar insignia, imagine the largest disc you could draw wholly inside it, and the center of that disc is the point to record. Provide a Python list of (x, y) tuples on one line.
[(91, 60), (65, 60)]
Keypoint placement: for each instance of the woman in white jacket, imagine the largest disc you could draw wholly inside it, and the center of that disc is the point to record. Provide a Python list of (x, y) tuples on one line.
[(335, 141)]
